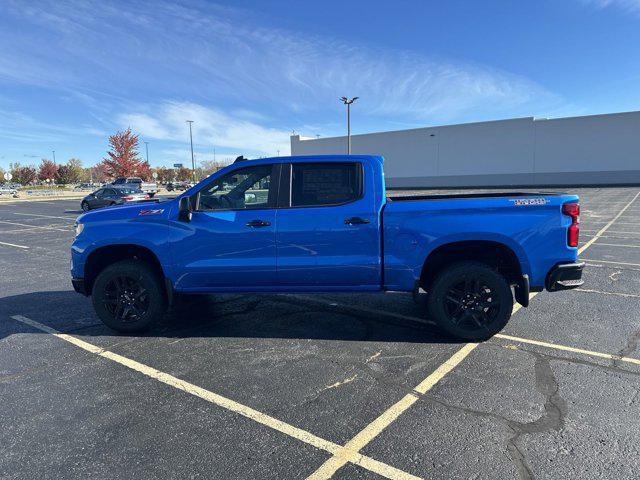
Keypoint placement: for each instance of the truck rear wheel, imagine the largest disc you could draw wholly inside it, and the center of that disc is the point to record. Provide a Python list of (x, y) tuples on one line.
[(470, 301), (128, 296)]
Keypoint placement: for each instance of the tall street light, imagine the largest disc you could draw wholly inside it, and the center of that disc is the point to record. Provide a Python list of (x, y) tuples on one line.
[(146, 144), (54, 156), (348, 104), (193, 162)]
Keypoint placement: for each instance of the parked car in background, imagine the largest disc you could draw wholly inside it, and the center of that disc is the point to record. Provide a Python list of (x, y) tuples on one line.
[(112, 195), (8, 189), (149, 188), (84, 186), (180, 186)]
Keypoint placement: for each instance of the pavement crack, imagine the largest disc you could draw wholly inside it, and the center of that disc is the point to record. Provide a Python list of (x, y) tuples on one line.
[(373, 357), (338, 384), (630, 347), (555, 410)]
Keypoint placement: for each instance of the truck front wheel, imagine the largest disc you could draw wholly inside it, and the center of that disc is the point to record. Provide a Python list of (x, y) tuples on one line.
[(128, 296), (470, 301)]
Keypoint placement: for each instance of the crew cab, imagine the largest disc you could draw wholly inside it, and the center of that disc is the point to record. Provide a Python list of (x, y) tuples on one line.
[(149, 188), (326, 224)]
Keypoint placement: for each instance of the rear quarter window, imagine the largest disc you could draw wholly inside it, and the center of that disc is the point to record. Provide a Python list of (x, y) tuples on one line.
[(320, 184)]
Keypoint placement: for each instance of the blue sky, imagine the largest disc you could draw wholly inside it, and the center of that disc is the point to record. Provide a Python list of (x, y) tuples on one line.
[(250, 72)]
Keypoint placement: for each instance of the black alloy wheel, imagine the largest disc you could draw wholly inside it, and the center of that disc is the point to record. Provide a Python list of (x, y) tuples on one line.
[(128, 296), (470, 300), (125, 299)]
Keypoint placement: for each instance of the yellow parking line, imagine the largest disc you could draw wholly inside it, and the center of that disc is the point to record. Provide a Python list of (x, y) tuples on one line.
[(353, 446), (365, 436), (568, 349), (329, 468), (608, 225), (299, 434)]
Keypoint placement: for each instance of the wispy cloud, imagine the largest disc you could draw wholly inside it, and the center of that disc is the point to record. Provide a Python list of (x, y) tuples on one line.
[(210, 127), (629, 6), (208, 53), (153, 64)]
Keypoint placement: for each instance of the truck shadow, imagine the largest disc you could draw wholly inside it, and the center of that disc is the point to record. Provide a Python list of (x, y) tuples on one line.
[(247, 316)]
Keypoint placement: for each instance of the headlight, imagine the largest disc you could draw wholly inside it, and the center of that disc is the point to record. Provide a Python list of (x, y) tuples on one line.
[(79, 227)]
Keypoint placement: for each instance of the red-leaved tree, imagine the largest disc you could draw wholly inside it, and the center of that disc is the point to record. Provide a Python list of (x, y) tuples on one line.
[(47, 170), (123, 159), (99, 173)]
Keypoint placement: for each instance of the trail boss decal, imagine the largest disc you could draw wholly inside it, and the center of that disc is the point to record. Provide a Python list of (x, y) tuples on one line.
[(151, 212), (529, 201)]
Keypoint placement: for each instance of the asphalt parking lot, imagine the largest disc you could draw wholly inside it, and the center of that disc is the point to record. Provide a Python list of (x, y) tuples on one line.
[(341, 386)]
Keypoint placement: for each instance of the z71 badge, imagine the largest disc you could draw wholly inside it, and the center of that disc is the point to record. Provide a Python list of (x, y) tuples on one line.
[(151, 212), (529, 201)]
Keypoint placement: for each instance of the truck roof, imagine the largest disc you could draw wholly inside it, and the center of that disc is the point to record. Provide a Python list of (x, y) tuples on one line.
[(306, 158)]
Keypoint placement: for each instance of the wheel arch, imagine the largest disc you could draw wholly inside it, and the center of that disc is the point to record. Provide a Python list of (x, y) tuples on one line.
[(495, 254), (102, 257)]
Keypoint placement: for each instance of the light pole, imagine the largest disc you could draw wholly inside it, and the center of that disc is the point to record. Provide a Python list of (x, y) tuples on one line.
[(193, 162), (54, 156), (146, 144), (348, 104)]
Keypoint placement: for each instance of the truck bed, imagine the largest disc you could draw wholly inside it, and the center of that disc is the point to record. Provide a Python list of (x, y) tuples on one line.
[(454, 196)]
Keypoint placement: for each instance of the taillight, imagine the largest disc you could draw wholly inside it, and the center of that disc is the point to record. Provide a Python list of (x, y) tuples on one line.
[(572, 210), (127, 198)]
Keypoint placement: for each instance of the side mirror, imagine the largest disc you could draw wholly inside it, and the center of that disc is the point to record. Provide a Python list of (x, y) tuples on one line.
[(184, 209)]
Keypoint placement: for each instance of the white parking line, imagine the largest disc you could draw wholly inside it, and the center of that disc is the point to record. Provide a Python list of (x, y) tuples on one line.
[(14, 245), (608, 261), (299, 434), (618, 245), (36, 226), (44, 216), (611, 233), (619, 294)]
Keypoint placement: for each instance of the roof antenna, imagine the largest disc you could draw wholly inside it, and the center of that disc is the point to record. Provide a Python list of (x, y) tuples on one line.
[(239, 159)]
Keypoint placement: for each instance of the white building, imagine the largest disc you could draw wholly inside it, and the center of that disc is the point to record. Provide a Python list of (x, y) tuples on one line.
[(590, 150)]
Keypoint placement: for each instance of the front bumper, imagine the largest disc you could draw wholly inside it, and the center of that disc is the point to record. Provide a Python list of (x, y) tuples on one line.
[(79, 286), (565, 276)]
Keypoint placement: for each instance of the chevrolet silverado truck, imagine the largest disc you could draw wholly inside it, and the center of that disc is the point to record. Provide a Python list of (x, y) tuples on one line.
[(317, 224)]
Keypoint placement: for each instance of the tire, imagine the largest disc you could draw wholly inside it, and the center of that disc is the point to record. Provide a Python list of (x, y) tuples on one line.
[(85, 207), (471, 301), (128, 296)]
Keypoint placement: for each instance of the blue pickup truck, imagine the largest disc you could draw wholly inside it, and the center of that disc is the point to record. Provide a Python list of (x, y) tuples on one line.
[(326, 224)]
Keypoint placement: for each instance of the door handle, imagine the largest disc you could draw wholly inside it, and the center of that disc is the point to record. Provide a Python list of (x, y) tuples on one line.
[(258, 223), (356, 221)]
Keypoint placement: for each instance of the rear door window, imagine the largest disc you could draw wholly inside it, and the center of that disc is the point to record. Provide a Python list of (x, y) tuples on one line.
[(323, 184)]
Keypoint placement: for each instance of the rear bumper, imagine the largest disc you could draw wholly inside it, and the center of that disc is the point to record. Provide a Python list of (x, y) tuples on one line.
[(565, 276), (79, 286)]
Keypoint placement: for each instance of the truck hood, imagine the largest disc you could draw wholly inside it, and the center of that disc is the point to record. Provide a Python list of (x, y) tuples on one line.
[(127, 212)]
